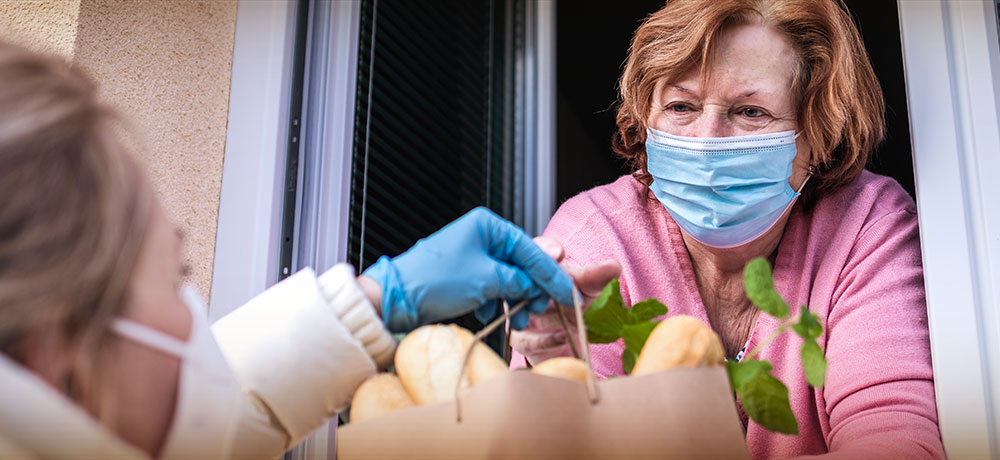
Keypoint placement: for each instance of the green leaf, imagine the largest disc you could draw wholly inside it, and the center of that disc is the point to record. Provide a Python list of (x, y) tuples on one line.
[(808, 326), (608, 319), (813, 363), (636, 335), (741, 372), (604, 322), (606, 316), (765, 400), (628, 360), (759, 284), (645, 311), (597, 337), (610, 296)]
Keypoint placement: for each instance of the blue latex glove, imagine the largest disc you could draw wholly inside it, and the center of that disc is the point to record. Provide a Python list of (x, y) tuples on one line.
[(470, 264)]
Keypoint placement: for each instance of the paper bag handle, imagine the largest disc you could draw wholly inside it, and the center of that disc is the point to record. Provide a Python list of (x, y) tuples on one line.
[(508, 312)]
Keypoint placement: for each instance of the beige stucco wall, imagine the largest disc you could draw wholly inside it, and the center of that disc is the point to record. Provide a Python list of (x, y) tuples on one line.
[(167, 65), (43, 25)]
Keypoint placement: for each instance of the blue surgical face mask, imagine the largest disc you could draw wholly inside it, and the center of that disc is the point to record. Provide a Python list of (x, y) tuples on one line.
[(723, 191)]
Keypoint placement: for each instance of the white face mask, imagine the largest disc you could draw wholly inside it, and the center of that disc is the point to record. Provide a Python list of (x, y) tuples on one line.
[(208, 396)]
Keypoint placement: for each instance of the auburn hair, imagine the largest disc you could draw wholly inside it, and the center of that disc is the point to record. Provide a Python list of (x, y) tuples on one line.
[(74, 213), (840, 111)]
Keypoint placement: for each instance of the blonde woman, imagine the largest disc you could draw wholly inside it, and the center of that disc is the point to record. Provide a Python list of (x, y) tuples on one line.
[(104, 354), (748, 123)]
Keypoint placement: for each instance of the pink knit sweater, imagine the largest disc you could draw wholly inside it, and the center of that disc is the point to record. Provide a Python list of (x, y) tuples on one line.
[(854, 259)]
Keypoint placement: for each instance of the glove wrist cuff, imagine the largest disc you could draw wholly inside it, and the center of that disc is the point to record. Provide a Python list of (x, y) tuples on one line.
[(356, 313), (398, 314)]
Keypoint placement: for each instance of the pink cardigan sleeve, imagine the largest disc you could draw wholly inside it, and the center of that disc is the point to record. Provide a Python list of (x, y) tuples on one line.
[(879, 393)]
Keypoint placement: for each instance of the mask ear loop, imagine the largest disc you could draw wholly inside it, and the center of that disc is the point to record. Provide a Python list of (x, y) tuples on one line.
[(149, 337)]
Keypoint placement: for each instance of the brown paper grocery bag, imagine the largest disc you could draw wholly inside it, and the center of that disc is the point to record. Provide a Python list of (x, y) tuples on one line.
[(681, 413)]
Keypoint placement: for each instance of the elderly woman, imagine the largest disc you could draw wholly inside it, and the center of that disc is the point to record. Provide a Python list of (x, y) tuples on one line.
[(748, 123), (104, 355)]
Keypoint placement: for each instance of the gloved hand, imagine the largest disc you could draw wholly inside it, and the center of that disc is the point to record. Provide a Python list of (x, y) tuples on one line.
[(544, 337), (470, 264)]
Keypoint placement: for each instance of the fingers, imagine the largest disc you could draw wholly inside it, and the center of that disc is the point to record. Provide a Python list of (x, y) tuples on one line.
[(539, 347), (551, 247), (508, 243), (487, 311), (549, 321), (531, 343), (591, 280), (538, 304), (519, 320), (512, 283)]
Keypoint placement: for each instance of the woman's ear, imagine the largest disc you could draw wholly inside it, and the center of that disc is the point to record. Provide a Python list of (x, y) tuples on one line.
[(802, 165)]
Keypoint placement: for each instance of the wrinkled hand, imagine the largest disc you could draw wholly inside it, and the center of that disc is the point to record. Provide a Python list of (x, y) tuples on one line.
[(544, 337), (470, 264)]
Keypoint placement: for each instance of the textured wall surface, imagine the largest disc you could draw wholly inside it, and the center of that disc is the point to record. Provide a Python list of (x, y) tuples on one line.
[(167, 66), (42, 25)]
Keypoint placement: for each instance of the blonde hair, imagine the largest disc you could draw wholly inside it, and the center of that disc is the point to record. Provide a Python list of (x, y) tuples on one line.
[(841, 111), (73, 216)]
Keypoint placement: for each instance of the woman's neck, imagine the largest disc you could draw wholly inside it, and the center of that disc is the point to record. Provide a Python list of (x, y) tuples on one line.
[(718, 274)]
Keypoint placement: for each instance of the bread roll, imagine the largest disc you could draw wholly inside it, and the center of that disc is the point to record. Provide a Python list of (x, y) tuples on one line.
[(563, 367), (379, 395), (429, 360), (679, 341)]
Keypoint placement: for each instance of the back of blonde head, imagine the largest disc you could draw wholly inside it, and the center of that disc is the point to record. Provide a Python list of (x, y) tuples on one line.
[(73, 215)]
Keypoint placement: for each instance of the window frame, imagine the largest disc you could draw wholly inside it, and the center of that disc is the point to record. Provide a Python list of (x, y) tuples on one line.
[(952, 94), (252, 199), (543, 50), (323, 209), (951, 56), (247, 241)]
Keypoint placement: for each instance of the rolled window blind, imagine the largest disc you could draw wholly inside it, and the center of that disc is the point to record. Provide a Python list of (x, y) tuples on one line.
[(432, 131), (428, 142)]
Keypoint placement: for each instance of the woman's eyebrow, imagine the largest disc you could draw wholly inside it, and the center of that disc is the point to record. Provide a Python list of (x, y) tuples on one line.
[(681, 89)]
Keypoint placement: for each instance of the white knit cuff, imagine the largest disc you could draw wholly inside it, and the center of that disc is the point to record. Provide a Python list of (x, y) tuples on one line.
[(341, 291)]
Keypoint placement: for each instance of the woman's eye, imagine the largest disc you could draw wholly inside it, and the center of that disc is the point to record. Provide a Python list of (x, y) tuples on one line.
[(752, 112), (679, 108)]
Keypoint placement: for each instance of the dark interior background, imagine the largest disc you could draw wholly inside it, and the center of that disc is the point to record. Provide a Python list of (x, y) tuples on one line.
[(592, 44)]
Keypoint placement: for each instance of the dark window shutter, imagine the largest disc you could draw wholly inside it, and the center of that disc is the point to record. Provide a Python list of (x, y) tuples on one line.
[(429, 147), (429, 136)]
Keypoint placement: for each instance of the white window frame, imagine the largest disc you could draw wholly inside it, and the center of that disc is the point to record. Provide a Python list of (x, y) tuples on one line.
[(534, 125), (323, 207), (248, 233), (543, 50), (328, 122), (250, 210), (951, 56)]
